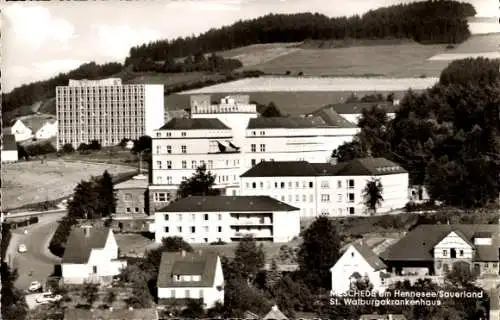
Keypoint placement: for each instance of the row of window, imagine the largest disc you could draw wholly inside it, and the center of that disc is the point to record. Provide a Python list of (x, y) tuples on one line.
[(136, 210), (191, 229), (296, 184), (253, 148), (192, 217), (187, 294), (169, 180)]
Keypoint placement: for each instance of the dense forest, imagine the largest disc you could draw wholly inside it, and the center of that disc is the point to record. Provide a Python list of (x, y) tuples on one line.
[(424, 22), (447, 137)]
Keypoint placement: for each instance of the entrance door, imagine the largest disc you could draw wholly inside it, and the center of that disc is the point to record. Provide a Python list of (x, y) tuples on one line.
[(453, 253)]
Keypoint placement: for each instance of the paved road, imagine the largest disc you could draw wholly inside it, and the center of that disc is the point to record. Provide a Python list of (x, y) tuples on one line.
[(38, 258)]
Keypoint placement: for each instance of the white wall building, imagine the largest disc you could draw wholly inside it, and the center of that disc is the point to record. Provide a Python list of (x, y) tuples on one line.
[(352, 111), (9, 148), (107, 111), (46, 131), (328, 189), (184, 276), (205, 219), (91, 255), (357, 262), (230, 138), (21, 131)]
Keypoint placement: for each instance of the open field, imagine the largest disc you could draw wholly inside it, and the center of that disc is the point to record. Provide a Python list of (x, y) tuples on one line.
[(169, 79), (293, 84), (291, 103), (32, 181), (257, 54)]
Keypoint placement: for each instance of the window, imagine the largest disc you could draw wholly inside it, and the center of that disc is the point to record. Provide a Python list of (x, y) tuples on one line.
[(136, 210), (339, 184), (169, 164), (169, 149), (193, 217), (351, 210), (187, 294), (166, 217), (158, 164), (205, 216), (179, 217), (184, 164), (311, 184), (261, 185), (324, 184), (290, 185), (201, 293), (461, 252), (253, 147), (183, 149), (193, 164), (166, 229), (205, 229), (219, 217), (254, 162), (297, 197), (304, 198), (172, 293), (179, 229), (311, 198), (183, 133), (325, 198), (219, 229), (158, 149), (297, 185), (128, 209), (210, 164), (254, 185), (339, 197), (193, 229), (262, 148), (350, 183), (282, 185), (445, 253), (128, 196), (350, 197), (486, 265)]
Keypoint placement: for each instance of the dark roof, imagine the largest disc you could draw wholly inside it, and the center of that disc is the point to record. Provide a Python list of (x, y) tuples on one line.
[(37, 122), (286, 122), (227, 203), (194, 124), (102, 314), (357, 107), (174, 263), (369, 167), (9, 142), (370, 257), (356, 167), (332, 118), (79, 246), (418, 244)]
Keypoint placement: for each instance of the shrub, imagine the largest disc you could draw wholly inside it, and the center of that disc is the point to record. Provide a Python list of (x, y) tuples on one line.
[(218, 243), (68, 148), (40, 149)]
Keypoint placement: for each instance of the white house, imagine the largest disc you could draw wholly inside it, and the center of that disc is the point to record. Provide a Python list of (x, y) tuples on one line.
[(9, 148), (205, 219), (230, 138), (91, 255), (21, 131), (44, 129), (356, 263), (435, 249), (185, 276), (352, 111), (328, 189)]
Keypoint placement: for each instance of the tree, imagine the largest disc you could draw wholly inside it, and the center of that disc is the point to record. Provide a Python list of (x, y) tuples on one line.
[(200, 184), (107, 194), (293, 296), (318, 252), (68, 148), (461, 274), (349, 151), (480, 72), (123, 142), (373, 194), (13, 301), (168, 244), (144, 143), (95, 145), (240, 297), (83, 148), (90, 293), (110, 298), (271, 111), (85, 203), (194, 310), (273, 275), (249, 258)]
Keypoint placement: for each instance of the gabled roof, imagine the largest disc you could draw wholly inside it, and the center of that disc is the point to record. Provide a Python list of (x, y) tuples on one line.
[(356, 167), (101, 314), (136, 182), (418, 244), (175, 263), (194, 124), (227, 204), (333, 118), (357, 107), (37, 122), (275, 314), (286, 122), (373, 260), (79, 246), (9, 142)]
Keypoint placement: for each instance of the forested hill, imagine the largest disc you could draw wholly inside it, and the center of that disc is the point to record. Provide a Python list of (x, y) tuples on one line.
[(424, 22)]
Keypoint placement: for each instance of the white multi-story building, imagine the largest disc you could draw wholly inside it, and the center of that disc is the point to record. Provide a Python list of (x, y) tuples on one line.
[(328, 189), (230, 138), (107, 111), (205, 219)]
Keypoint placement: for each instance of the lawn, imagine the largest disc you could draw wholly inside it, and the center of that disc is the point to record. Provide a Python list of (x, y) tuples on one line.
[(170, 79), (31, 181), (291, 103), (109, 155)]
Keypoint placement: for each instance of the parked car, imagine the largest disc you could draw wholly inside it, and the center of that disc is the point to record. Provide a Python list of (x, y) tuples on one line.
[(34, 286), (22, 248), (48, 297)]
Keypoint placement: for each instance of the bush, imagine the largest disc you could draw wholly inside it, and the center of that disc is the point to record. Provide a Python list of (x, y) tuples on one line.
[(94, 145), (68, 148), (218, 243), (39, 149)]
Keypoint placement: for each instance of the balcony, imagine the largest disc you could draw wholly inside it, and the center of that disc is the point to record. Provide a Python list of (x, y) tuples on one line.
[(254, 221), (253, 233)]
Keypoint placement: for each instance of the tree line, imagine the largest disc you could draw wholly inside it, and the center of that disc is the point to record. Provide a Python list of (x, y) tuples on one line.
[(447, 137), (424, 22)]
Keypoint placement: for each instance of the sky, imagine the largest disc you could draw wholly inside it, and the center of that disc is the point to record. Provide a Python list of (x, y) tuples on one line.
[(41, 39)]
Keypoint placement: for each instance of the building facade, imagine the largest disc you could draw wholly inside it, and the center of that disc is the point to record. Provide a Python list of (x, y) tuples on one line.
[(132, 205), (206, 219), (9, 148), (328, 189), (230, 138), (21, 131), (107, 111)]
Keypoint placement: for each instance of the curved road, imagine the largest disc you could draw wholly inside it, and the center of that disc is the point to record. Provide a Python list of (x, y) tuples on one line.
[(38, 258)]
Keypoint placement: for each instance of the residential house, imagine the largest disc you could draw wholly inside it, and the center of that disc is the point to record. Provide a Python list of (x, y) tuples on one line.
[(382, 317), (435, 249), (111, 314), (275, 314), (132, 205), (358, 262), (193, 275), (91, 255), (330, 189), (205, 219), (352, 111), (21, 131), (43, 128), (9, 148)]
